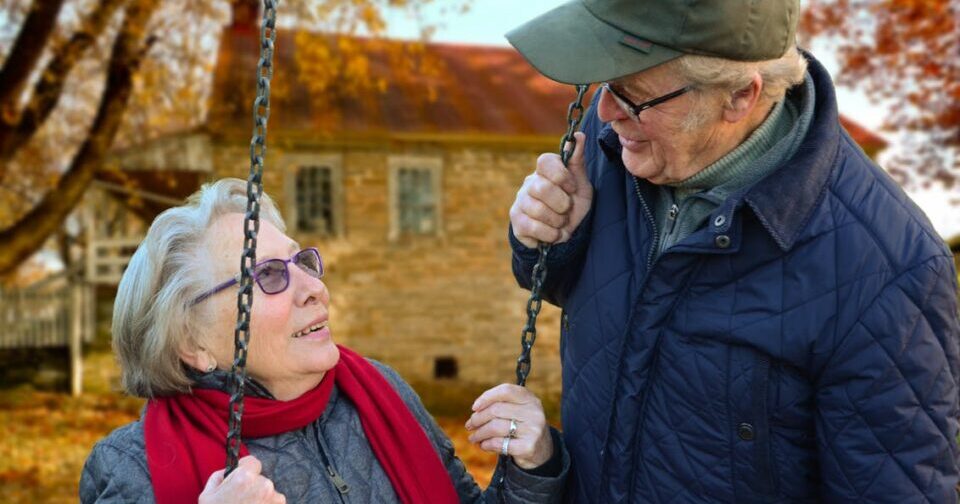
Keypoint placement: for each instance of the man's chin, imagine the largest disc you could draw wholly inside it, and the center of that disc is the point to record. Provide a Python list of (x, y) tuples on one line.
[(641, 167)]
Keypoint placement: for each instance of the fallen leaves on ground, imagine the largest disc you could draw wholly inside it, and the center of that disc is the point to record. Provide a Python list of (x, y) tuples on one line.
[(45, 437)]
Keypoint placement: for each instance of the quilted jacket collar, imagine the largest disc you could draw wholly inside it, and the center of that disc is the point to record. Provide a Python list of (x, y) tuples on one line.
[(802, 180)]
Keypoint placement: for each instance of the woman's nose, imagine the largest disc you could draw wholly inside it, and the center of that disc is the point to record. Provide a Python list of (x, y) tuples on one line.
[(309, 289), (608, 110)]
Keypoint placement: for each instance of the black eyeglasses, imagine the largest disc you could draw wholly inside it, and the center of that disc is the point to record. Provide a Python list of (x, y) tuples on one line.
[(634, 110), (272, 275)]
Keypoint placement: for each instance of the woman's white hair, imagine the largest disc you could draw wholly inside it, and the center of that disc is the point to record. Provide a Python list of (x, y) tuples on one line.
[(154, 314), (725, 76)]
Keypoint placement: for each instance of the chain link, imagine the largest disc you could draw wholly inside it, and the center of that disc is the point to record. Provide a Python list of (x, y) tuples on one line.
[(539, 275), (251, 226)]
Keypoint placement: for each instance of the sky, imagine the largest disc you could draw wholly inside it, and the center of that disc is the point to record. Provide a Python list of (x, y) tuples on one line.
[(486, 21)]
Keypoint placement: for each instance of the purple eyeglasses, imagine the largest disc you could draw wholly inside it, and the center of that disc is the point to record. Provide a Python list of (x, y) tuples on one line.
[(272, 275)]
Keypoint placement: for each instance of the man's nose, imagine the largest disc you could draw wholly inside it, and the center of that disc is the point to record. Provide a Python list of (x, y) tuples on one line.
[(608, 110)]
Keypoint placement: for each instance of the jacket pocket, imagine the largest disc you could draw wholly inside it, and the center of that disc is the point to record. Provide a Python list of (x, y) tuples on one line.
[(753, 461), (763, 461)]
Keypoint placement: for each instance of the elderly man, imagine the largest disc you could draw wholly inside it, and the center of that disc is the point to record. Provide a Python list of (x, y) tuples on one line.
[(753, 311)]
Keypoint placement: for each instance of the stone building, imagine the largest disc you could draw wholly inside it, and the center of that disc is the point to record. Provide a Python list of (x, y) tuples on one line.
[(405, 195), (405, 191)]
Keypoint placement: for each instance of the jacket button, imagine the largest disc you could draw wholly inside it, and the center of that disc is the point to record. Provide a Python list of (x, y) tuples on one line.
[(745, 431), (722, 241)]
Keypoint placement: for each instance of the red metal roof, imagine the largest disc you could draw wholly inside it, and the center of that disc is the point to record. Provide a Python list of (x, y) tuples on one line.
[(867, 139), (473, 90)]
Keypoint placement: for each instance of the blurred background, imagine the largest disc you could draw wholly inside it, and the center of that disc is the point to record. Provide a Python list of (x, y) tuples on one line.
[(399, 133)]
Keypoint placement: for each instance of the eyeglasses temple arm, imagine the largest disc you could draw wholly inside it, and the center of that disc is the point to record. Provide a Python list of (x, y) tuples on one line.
[(215, 290)]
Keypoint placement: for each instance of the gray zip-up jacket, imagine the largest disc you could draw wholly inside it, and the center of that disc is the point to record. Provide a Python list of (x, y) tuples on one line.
[(328, 461)]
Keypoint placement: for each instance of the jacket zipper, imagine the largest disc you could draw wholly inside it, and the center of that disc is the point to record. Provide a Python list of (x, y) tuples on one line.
[(341, 484), (653, 225), (650, 259), (338, 481)]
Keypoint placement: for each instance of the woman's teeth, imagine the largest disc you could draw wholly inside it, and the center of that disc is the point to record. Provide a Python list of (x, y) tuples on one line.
[(315, 327)]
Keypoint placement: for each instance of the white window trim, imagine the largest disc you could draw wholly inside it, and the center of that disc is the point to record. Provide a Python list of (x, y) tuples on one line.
[(292, 164), (394, 164)]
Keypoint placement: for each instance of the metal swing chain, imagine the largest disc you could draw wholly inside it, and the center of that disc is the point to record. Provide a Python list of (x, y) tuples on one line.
[(251, 226), (539, 275), (529, 334)]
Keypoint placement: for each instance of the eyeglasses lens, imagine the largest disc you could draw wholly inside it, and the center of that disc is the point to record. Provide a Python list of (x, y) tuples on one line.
[(309, 261), (272, 276)]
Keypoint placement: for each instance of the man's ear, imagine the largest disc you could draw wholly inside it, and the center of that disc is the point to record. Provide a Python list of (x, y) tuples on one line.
[(744, 100)]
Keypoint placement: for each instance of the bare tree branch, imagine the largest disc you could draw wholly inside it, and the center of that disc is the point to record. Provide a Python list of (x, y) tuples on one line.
[(24, 54), (28, 234), (47, 91)]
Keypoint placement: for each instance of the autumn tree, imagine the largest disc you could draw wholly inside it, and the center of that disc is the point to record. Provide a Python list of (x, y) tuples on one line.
[(906, 53), (80, 77)]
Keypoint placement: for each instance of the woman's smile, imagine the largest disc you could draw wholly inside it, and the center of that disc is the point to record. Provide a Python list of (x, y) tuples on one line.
[(320, 332)]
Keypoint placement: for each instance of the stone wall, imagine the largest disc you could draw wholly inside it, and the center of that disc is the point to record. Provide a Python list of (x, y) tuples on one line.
[(410, 300)]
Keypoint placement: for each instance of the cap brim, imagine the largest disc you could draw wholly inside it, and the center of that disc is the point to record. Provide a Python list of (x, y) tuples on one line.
[(569, 44)]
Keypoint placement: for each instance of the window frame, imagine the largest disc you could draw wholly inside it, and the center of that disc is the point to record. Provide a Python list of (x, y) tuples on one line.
[(431, 164), (294, 164)]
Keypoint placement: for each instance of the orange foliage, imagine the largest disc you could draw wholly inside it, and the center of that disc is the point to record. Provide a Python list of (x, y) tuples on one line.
[(169, 88), (46, 437), (908, 52)]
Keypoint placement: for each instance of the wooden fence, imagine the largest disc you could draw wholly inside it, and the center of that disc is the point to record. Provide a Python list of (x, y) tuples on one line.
[(55, 312)]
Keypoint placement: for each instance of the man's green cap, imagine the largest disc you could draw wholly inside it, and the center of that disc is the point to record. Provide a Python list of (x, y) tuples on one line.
[(587, 41)]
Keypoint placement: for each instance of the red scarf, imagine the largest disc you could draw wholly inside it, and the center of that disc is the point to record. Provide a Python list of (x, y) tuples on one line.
[(185, 434)]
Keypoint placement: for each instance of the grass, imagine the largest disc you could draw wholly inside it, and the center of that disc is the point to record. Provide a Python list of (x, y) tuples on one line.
[(45, 437)]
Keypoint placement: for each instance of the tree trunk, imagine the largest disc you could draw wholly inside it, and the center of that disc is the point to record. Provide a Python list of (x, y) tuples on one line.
[(28, 234), (47, 90), (23, 56)]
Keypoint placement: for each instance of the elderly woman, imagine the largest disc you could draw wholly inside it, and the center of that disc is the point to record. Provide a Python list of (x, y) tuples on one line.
[(321, 423)]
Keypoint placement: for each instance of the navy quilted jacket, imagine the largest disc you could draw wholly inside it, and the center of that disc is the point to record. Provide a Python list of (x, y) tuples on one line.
[(801, 349)]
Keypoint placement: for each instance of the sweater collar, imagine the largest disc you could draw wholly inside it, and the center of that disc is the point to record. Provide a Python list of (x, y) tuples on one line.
[(738, 167)]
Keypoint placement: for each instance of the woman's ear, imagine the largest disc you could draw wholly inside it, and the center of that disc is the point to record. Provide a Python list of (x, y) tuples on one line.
[(197, 357), (744, 100)]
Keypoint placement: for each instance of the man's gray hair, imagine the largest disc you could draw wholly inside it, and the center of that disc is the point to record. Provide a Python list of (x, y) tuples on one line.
[(154, 314), (726, 76)]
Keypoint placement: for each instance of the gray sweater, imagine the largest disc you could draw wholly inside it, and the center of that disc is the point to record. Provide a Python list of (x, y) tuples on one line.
[(116, 470)]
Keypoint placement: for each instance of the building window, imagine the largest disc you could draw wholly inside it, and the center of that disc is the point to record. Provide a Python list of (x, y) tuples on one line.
[(415, 196), (445, 367), (313, 193), (416, 202), (315, 201)]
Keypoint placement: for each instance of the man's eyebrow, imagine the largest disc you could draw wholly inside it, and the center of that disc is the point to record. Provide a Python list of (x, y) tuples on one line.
[(631, 88), (294, 246), (637, 90)]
